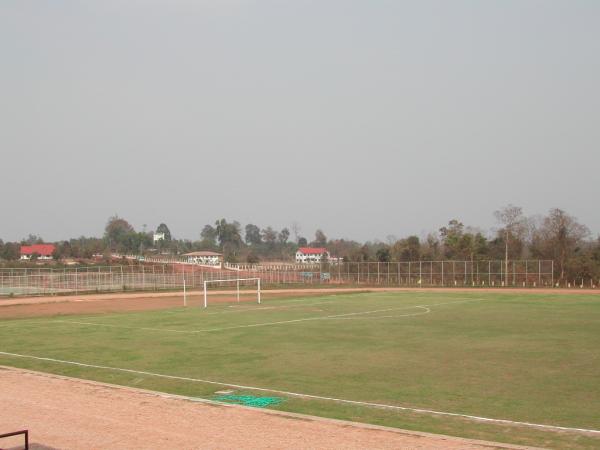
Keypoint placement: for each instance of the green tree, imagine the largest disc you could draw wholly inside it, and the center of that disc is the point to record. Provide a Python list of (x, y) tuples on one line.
[(451, 238), (208, 236), (228, 233), (361, 253), (118, 233), (431, 248), (320, 239), (559, 238), (408, 249), (163, 228), (252, 235), (383, 254), (10, 251), (32, 239), (283, 236), (269, 236)]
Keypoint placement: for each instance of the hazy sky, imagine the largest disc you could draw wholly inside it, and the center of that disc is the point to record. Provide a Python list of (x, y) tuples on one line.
[(365, 118)]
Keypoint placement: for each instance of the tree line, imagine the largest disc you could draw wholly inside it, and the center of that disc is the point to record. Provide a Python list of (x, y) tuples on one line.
[(557, 236)]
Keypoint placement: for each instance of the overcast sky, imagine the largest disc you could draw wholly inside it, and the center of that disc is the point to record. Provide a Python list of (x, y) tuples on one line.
[(363, 118)]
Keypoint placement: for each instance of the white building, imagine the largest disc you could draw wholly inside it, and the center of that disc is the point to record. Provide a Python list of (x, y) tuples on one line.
[(158, 237), (204, 257), (311, 255), (41, 251)]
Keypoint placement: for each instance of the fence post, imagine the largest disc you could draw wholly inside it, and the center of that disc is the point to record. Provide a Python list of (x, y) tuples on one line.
[(184, 291), (442, 272), (430, 273), (453, 273), (514, 272)]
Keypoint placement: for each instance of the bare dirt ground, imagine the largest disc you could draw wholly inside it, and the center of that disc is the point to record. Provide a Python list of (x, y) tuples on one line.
[(68, 413), (142, 301), (117, 303)]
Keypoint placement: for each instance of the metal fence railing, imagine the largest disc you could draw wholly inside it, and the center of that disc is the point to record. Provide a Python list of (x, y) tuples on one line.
[(171, 276)]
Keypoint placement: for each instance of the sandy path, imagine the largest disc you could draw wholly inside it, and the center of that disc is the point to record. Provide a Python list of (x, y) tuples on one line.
[(68, 413)]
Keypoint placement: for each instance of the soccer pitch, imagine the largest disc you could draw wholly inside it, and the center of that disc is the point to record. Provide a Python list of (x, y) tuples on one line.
[(428, 361)]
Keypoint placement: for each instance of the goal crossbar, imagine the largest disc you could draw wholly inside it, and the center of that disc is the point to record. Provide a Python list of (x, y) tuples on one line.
[(237, 283)]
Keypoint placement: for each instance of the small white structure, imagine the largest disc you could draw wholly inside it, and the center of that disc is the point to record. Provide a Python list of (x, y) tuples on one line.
[(158, 237), (311, 255), (204, 257)]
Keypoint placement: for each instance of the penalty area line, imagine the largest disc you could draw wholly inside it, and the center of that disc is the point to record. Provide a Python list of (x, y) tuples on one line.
[(265, 324), (310, 396)]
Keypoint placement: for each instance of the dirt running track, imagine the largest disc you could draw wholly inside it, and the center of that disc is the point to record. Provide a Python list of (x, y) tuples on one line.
[(50, 306), (142, 301), (68, 413)]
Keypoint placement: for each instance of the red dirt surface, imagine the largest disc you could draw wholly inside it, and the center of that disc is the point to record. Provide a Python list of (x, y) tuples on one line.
[(62, 412), (118, 303)]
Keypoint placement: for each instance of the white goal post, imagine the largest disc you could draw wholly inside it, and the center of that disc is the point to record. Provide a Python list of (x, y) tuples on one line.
[(237, 282)]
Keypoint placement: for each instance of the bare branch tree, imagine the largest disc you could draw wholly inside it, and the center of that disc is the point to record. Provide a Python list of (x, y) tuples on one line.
[(511, 217)]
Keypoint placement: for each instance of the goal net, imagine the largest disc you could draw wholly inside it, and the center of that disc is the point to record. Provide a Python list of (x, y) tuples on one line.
[(233, 289)]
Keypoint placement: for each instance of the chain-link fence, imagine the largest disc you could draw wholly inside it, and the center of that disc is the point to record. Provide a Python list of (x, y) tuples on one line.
[(171, 276), (140, 277), (526, 273)]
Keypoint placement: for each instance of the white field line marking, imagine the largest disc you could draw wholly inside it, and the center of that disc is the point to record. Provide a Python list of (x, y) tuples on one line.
[(41, 321), (315, 397), (168, 330), (253, 325), (261, 308), (246, 309), (427, 311), (262, 324), (14, 322)]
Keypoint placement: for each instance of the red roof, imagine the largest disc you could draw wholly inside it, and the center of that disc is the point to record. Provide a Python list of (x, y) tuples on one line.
[(312, 250), (40, 249)]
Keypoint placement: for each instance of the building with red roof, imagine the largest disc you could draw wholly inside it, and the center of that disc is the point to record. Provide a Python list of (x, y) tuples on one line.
[(311, 254), (43, 251)]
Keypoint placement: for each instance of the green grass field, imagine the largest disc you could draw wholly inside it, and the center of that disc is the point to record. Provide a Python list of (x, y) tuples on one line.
[(521, 357)]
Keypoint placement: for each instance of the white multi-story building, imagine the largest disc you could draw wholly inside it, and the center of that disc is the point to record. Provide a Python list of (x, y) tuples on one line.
[(311, 255)]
